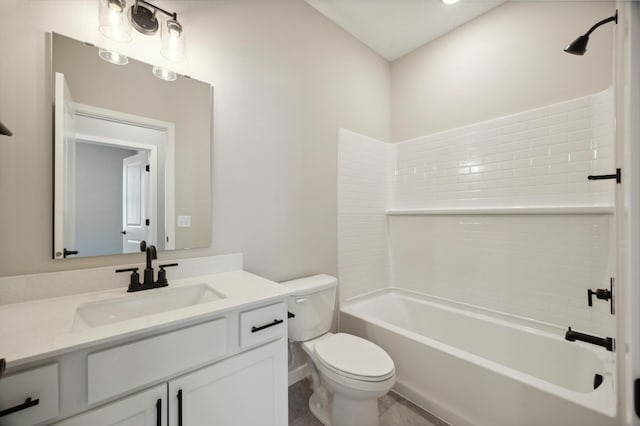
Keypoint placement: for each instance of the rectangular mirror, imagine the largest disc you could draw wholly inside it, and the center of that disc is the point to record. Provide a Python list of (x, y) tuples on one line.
[(132, 156)]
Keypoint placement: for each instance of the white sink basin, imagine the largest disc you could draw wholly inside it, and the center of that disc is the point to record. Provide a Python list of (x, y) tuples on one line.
[(139, 304)]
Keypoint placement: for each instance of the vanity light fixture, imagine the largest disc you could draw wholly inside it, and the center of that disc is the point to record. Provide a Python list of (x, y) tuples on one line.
[(116, 21), (450, 1), (143, 18), (579, 45)]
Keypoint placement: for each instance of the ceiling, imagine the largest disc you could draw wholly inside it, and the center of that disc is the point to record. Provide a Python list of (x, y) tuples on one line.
[(393, 28)]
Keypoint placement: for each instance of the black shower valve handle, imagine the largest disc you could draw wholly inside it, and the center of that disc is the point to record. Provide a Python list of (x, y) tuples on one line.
[(600, 293)]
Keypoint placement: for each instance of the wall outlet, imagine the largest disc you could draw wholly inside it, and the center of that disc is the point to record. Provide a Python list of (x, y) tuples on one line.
[(184, 221)]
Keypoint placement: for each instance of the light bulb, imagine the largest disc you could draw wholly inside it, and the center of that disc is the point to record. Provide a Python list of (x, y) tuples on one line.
[(114, 21), (116, 5), (173, 42)]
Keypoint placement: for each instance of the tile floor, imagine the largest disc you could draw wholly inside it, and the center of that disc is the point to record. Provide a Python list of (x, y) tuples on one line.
[(393, 410)]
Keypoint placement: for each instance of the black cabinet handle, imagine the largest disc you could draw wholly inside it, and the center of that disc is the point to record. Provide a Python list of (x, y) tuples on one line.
[(262, 327), (28, 403), (180, 407), (159, 412)]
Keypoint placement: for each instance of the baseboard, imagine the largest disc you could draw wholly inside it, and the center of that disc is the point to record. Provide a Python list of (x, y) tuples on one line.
[(297, 374)]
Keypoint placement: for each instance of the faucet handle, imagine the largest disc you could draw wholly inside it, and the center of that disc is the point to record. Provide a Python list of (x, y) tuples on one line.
[(162, 274), (134, 279)]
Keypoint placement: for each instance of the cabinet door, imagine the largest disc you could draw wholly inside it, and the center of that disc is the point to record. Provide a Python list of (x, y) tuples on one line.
[(147, 408), (245, 390)]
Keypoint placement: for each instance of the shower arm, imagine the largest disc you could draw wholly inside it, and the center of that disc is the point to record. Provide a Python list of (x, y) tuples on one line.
[(604, 21)]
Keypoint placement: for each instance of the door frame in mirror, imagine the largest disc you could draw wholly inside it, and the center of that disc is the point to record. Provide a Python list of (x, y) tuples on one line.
[(119, 117)]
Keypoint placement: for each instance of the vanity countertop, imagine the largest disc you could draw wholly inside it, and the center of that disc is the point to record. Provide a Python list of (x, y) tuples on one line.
[(31, 331)]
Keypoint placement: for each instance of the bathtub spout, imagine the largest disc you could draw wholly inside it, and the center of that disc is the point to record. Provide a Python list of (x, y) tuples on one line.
[(606, 342)]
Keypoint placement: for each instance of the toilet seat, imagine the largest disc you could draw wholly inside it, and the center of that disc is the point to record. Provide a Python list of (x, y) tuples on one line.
[(354, 358)]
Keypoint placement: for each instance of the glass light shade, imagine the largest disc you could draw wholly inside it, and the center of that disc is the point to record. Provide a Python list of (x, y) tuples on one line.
[(114, 20), (113, 57), (173, 43), (164, 73)]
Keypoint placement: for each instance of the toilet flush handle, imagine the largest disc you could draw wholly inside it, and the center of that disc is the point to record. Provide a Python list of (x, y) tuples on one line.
[(301, 300)]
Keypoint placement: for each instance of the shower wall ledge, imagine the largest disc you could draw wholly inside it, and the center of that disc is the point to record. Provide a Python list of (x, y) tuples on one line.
[(512, 210)]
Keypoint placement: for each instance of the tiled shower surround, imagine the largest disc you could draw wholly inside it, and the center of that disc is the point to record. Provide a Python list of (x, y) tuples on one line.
[(537, 265), (533, 158)]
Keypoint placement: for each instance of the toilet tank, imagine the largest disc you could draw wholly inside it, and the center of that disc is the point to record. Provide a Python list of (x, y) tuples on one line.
[(313, 302)]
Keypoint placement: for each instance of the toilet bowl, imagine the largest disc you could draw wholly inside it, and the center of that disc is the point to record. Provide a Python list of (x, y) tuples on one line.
[(348, 373), (355, 372)]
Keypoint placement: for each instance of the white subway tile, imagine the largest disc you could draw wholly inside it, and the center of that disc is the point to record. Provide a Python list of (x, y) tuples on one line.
[(515, 164), (495, 158), (513, 147), (531, 153), (570, 147), (513, 128), (549, 140), (569, 126), (484, 168), (537, 157), (549, 160), (580, 113), (549, 120), (531, 171)]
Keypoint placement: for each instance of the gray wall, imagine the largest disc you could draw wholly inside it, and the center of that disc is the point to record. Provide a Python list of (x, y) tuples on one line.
[(285, 79), (508, 60), (99, 198)]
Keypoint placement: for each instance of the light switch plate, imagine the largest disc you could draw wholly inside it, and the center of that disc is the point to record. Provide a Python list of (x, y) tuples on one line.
[(184, 221)]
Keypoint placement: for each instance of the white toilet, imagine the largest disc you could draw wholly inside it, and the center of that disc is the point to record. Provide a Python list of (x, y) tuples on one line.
[(349, 373)]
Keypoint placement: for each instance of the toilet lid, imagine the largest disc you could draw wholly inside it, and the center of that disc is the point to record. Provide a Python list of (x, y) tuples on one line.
[(354, 357)]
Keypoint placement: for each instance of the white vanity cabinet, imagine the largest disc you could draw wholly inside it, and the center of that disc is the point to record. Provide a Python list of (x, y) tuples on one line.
[(29, 397), (249, 389), (147, 408), (227, 368)]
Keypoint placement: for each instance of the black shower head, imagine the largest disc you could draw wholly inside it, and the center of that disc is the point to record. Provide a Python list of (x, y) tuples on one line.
[(4, 130), (579, 45)]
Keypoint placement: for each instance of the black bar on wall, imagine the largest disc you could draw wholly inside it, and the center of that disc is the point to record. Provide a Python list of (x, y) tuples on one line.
[(617, 176)]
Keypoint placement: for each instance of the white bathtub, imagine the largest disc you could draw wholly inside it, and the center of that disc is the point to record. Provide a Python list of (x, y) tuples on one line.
[(470, 366)]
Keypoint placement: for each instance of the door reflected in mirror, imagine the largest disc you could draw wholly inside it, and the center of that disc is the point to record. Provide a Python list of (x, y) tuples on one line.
[(132, 155)]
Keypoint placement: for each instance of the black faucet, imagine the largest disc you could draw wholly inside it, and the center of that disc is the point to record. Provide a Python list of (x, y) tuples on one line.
[(606, 342), (148, 283), (152, 254)]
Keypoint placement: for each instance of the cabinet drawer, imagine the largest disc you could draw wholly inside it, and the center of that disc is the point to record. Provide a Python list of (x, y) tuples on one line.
[(39, 384), (117, 370), (263, 324)]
